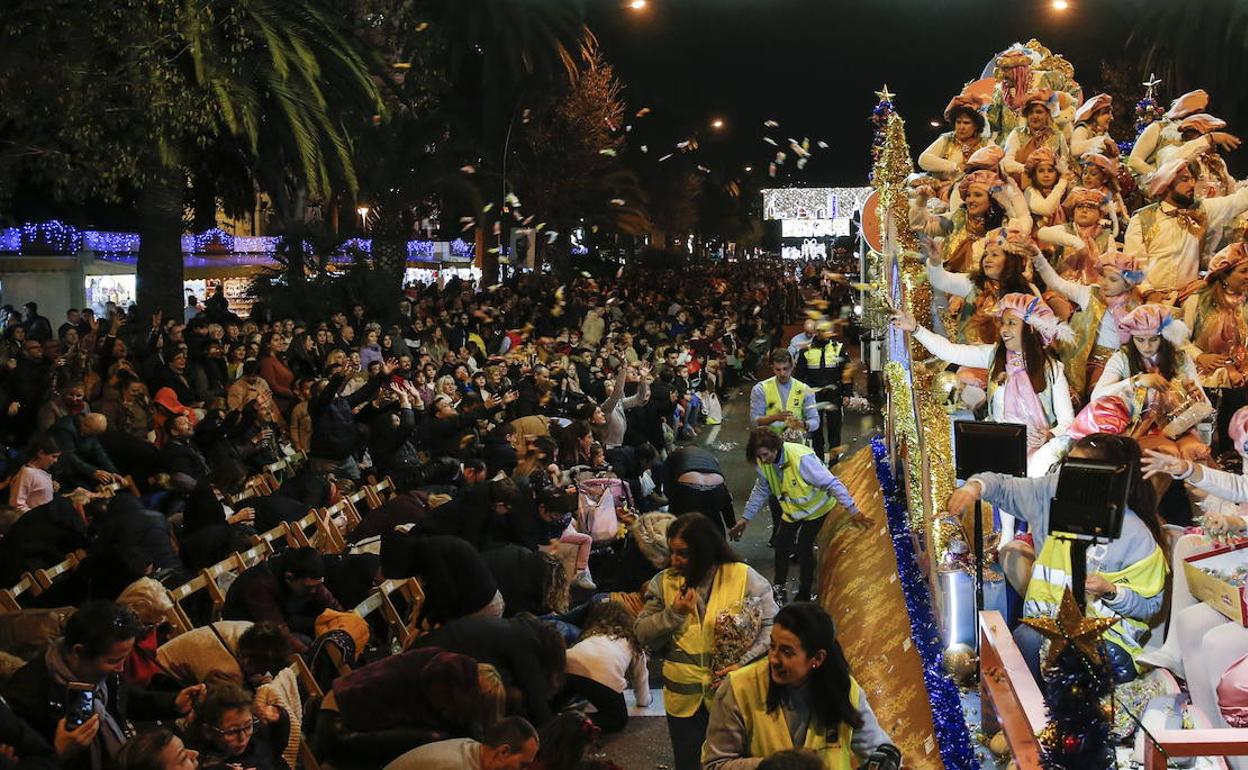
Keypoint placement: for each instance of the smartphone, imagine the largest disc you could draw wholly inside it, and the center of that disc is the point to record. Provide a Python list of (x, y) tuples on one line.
[(79, 704)]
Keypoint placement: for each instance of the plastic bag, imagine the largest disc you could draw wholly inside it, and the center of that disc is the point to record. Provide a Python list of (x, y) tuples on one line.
[(736, 629)]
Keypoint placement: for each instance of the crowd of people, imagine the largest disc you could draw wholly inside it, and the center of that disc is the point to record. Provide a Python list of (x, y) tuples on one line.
[(1096, 297), (548, 498)]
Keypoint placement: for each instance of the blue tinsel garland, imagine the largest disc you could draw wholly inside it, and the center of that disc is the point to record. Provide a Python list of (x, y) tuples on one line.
[(951, 731)]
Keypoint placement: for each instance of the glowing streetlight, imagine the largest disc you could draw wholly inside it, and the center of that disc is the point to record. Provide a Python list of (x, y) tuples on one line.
[(638, 5), (1060, 5), (717, 124)]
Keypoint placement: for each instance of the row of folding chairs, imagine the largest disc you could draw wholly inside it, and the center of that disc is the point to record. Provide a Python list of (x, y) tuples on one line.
[(35, 582)]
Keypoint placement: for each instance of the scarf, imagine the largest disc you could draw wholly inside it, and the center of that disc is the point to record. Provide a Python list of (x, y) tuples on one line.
[(1022, 404), (1192, 220)]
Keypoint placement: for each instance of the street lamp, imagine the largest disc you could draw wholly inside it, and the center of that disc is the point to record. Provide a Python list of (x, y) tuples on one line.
[(717, 124), (1060, 5), (637, 5)]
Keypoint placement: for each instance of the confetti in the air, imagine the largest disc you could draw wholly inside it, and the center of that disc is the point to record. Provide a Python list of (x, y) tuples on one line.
[(617, 201), (487, 208), (610, 153), (421, 27), (770, 141), (645, 148), (665, 157), (771, 124), (644, 111), (513, 201), (801, 163), (771, 170), (469, 169), (552, 236), (780, 158), (822, 144), (498, 228), (704, 169)]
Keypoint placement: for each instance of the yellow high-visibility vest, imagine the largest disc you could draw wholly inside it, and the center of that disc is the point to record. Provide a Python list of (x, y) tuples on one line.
[(1051, 576), (798, 499), (793, 405), (687, 667), (767, 731)]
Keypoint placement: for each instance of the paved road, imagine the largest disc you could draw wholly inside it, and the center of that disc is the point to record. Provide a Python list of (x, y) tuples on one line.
[(644, 743)]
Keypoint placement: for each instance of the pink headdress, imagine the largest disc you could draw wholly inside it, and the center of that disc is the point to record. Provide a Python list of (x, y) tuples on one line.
[(1188, 103), (1232, 693), (973, 103), (1086, 196), (1203, 123), (985, 178), (1012, 242), (1147, 320), (1036, 314), (1238, 429), (1227, 260), (1091, 107), (1107, 166), (1108, 414), (1164, 176), (1124, 263), (986, 158), (1038, 156), (1041, 96)]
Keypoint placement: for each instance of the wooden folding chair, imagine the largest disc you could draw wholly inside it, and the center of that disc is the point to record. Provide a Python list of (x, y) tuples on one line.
[(9, 596), (338, 522), (180, 621), (315, 531), (255, 554), (379, 493), (44, 578), (279, 534), (403, 629)]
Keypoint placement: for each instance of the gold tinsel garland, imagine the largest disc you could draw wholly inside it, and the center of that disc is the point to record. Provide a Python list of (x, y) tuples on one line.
[(921, 422)]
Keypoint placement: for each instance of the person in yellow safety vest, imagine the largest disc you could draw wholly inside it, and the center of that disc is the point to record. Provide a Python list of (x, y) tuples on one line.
[(1126, 577), (821, 366), (801, 696), (781, 403), (683, 602), (807, 492)]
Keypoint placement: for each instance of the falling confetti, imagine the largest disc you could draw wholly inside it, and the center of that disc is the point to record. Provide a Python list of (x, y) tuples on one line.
[(801, 163), (541, 226), (513, 201), (498, 228), (610, 153), (526, 115), (617, 201), (683, 145), (771, 170), (665, 157), (822, 144), (552, 236), (645, 148), (704, 169), (780, 158), (644, 111), (469, 169), (421, 27), (494, 250), (467, 226), (771, 124), (628, 129), (487, 208), (587, 274), (770, 141)]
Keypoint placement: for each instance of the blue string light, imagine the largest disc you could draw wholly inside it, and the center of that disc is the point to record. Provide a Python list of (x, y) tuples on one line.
[(952, 734)]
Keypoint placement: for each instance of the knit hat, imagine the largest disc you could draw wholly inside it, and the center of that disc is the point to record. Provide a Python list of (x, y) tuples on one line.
[(1202, 122), (982, 178), (1188, 103), (1038, 156), (1164, 176), (1091, 107), (1150, 319), (1035, 313), (1227, 260), (355, 626)]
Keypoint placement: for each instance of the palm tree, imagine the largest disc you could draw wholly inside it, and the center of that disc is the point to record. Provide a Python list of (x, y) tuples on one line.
[(286, 78)]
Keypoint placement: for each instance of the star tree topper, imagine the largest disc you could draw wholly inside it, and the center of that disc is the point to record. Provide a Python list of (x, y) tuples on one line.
[(1071, 627), (885, 95)]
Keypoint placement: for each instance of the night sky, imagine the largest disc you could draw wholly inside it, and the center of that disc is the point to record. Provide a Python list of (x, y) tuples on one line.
[(814, 66)]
